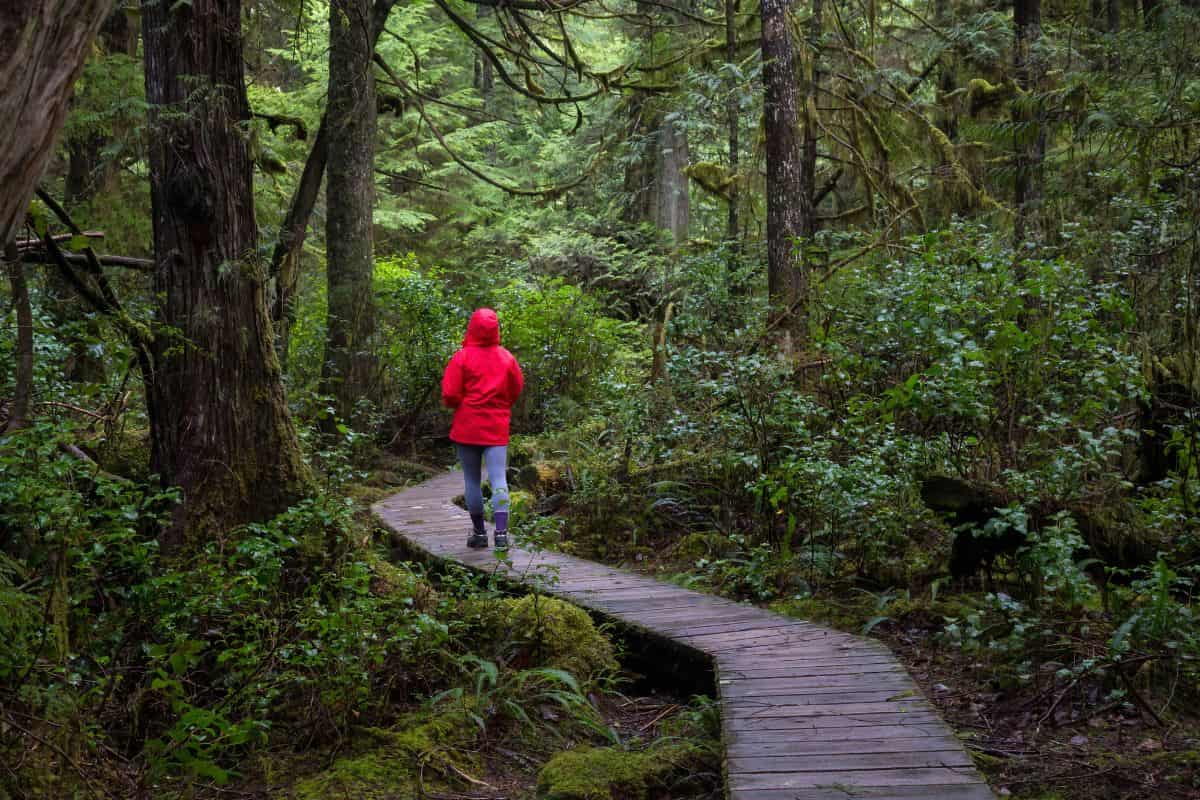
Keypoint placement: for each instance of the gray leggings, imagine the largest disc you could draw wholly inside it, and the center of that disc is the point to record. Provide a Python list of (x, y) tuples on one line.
[(472, 456)]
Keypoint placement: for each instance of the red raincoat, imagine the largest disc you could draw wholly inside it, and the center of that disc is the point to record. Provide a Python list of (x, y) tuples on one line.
[(481, 383)]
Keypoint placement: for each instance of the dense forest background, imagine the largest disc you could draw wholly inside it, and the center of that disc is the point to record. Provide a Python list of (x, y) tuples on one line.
[(884, 314)]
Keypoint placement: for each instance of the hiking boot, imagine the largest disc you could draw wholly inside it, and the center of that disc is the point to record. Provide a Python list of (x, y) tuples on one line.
[(477, 539), (501, 530)]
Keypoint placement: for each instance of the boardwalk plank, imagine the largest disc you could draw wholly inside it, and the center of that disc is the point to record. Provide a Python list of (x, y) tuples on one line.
[(757, 763), (943, 792), (807, 713), (850, 778)]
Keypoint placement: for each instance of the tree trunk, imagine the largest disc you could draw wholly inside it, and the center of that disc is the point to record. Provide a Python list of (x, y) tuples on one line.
[(485, 79), (44, 43), (789, 209), (811, 84), (220, 427), (1029, 137), (1151, 13), (733, 121), (349, 364), (285, 260), (639, 184), (672, 203), (19, 414)]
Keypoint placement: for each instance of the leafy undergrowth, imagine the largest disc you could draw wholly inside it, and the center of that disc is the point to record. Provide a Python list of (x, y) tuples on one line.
[(978, 456), (1061, 686), (289, 659), (656, 746), (1069, 704)]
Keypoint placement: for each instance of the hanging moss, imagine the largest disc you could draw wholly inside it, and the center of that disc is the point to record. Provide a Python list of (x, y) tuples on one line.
[(713, 178), (981, 94)]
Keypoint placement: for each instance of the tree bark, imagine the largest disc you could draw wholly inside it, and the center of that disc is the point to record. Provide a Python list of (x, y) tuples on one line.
[(789, 209), (44, 43), (733, 121), (1029, 137), (349, 364), (638, 185), (285, 260), (672, 203), (220, 427), (1151, 13)]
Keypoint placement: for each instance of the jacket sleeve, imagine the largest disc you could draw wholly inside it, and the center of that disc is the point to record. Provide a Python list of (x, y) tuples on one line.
[(452, 382), (516, 380)]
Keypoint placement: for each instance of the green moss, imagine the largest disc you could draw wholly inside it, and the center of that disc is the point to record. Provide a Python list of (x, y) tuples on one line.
[(387, 763), (126, 453), (542, 631), (982, 94), (714, 178), (600, 773)]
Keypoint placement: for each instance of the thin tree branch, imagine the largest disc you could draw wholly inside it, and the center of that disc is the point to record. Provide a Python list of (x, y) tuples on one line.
[(552, 191)]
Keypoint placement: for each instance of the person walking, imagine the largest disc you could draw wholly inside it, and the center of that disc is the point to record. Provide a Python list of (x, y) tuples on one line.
[(481, 383)]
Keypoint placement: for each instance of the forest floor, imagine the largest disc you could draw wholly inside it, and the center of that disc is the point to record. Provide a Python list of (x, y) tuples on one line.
[(1030, 742), (1051, 738), (506, 768)]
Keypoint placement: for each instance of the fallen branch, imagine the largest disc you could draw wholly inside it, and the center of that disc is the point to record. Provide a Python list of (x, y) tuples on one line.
[(76, 409), (128, 262), (63, 754), (1141, 702), (62, 237)]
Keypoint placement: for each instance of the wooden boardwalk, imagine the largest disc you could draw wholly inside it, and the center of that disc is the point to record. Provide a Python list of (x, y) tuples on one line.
[(807, 712)]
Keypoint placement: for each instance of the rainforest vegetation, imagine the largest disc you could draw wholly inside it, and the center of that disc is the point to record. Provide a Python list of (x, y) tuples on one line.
[(881, 313)]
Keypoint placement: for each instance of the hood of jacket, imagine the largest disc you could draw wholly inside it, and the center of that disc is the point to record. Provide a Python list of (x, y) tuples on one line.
[(483, 330)]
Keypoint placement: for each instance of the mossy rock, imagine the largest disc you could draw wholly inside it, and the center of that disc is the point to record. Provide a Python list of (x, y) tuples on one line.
[(365, 494), (542, 477), (125, 453), (547, 632), (609, 773), (387, 762), (388, 580)]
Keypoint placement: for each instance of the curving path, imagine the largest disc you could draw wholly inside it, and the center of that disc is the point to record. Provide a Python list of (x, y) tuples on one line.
[(807, 712)]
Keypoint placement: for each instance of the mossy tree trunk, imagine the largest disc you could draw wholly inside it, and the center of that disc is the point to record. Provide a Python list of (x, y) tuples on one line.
[(790, 216), (672, 204), (733, 121), (220, 427), (285, 260), (1029, 136), (44, 44), (348, 370)]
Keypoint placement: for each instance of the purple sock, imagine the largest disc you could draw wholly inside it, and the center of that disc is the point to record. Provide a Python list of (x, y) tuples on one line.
[(501, 518)]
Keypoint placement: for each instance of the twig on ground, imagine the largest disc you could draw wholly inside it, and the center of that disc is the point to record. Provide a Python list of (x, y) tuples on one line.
[(657, 717)]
